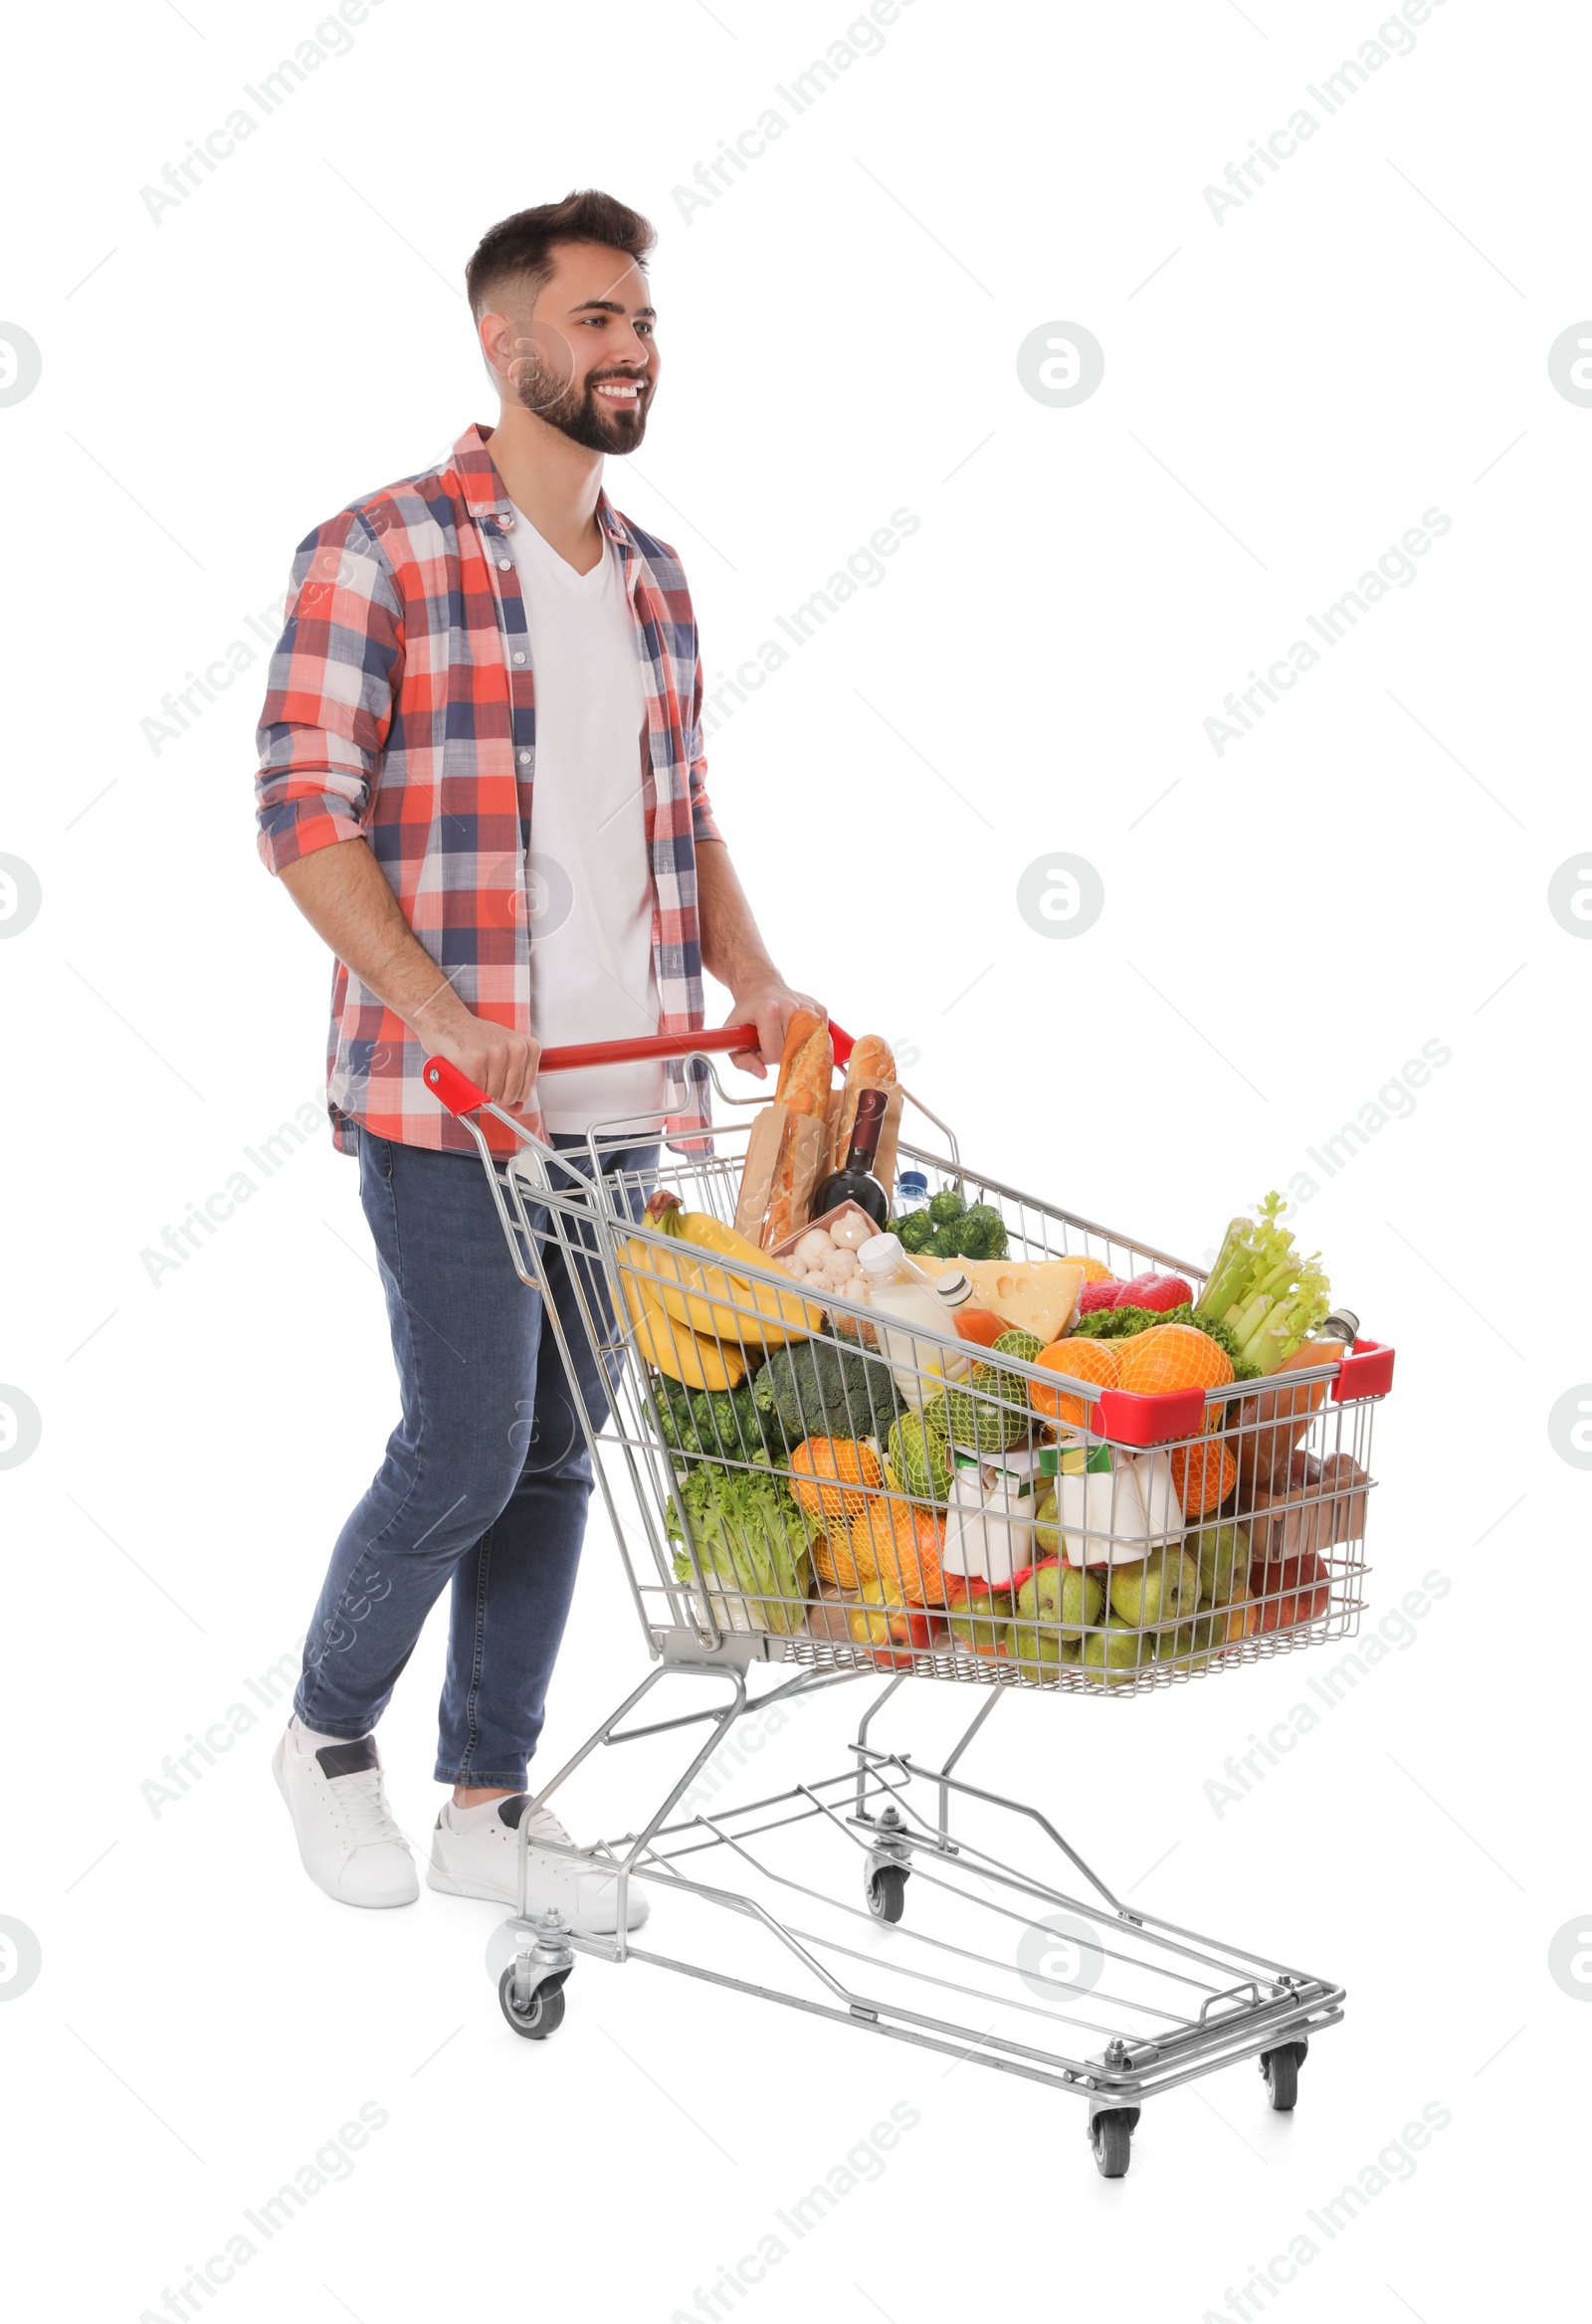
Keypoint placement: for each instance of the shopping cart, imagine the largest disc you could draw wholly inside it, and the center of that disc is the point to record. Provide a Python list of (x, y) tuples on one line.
[(806, 1411)]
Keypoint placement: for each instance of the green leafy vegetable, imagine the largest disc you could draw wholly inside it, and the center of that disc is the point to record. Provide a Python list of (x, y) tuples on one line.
[(749, 1535), (813, 1387), (1127, 1323), (1269, 1297)]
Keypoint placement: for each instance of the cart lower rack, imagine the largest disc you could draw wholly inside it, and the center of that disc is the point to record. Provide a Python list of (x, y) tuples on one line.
[(815, 1493)]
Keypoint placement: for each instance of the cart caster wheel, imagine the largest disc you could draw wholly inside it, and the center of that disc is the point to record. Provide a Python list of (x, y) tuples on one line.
[(1280, 2067), (546, 2011), (1111, 2136), (886, 1892)]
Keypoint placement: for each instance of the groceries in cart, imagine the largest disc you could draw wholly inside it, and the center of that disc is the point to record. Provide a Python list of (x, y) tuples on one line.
[(949, 1427)]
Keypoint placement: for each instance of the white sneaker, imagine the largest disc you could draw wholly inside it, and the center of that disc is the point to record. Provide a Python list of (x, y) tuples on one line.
[(349, 1843), (483, 1859)]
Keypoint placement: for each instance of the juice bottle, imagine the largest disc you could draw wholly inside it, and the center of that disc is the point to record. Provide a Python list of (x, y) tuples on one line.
[(955, 1294)]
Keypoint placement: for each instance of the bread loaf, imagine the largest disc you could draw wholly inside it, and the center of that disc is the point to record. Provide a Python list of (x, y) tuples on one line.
[(808, 1061)]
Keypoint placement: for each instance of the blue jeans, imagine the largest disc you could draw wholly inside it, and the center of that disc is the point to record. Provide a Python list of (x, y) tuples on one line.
[(487, 1477)]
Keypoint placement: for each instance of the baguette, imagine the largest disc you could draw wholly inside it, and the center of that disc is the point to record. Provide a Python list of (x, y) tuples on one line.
[(808, 1061), (781, 1194), (871, 1063)]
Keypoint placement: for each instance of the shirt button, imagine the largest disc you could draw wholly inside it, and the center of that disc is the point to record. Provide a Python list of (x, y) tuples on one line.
[(504, 563), (506, 522), (520, 658), (524, 758)]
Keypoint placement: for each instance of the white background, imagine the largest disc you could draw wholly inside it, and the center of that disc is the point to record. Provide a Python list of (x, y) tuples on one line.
[(1285, 393)]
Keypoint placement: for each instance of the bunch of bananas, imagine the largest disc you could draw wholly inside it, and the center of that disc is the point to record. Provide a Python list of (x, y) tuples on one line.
[(694, 1316)]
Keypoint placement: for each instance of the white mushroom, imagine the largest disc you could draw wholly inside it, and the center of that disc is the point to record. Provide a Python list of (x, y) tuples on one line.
[(854, 1229), (814, 1249)]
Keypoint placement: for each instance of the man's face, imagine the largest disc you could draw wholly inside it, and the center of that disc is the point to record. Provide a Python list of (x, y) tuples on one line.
[(584, 360)]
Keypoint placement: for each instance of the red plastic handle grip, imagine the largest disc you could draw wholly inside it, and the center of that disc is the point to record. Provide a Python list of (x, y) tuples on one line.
[(1368, 1370), (461, 1096), (452, 1088), (1128, 1418)]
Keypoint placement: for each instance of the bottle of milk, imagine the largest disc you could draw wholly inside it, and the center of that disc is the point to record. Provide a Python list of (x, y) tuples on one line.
[(922, 1366)]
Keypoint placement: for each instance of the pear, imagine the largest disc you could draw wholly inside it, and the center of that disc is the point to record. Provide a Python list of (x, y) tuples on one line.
[(1223, 1552), (1153, 1592), (1115, 1652), (1061, 1599), (1067, 1595)]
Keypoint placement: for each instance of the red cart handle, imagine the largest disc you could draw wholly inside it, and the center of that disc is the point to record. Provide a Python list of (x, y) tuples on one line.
[(460, 1094)]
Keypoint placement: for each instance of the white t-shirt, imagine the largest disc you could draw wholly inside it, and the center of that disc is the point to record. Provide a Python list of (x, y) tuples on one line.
[(589, 883)]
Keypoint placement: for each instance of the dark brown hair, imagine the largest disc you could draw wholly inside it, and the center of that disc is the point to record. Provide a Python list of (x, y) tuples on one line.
[(523, 247)]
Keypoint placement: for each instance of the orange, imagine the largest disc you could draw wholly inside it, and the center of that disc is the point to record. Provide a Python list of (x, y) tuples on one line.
[(848, 1460), (900, 1545), (1203, 1475), (1095, 1271), (1085, 1359), (824, 1557), (1171, 1356)]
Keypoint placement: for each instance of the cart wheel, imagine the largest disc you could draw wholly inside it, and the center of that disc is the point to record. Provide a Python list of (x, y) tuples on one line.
[(546, 2011), (886, 1892), (1112, 2137), (1282, 2070)]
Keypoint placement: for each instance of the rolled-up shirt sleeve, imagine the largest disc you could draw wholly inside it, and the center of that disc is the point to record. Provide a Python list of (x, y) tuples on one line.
[(702, 826), (334, 678)]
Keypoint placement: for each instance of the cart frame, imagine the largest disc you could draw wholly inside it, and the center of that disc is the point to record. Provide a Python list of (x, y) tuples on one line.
[(1215, 2004)]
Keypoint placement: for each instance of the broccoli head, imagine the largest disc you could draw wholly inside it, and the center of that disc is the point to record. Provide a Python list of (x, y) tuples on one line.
[(948, 1205), (813, 1387), (983, 1232), (915, 1230), (724, 1423)]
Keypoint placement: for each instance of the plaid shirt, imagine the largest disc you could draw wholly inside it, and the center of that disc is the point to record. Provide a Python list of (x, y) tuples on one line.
[(402, 710)]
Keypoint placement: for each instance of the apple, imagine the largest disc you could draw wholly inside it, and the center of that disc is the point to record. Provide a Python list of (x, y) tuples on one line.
[(1294, 1591), (1159, 1293)]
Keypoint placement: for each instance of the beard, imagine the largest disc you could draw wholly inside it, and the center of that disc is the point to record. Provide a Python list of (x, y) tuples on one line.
[(576, 412)]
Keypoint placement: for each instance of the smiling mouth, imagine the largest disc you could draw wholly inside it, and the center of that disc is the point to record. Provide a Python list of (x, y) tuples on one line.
[(626, 393)]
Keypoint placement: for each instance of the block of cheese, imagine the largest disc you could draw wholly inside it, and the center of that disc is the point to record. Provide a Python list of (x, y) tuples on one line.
[(1037, 1295)]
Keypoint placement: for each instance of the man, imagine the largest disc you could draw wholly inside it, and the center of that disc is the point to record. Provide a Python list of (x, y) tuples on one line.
[(482, 782)]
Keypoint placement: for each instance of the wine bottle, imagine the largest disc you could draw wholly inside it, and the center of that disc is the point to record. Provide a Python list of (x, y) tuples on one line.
[(856, 1182)]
